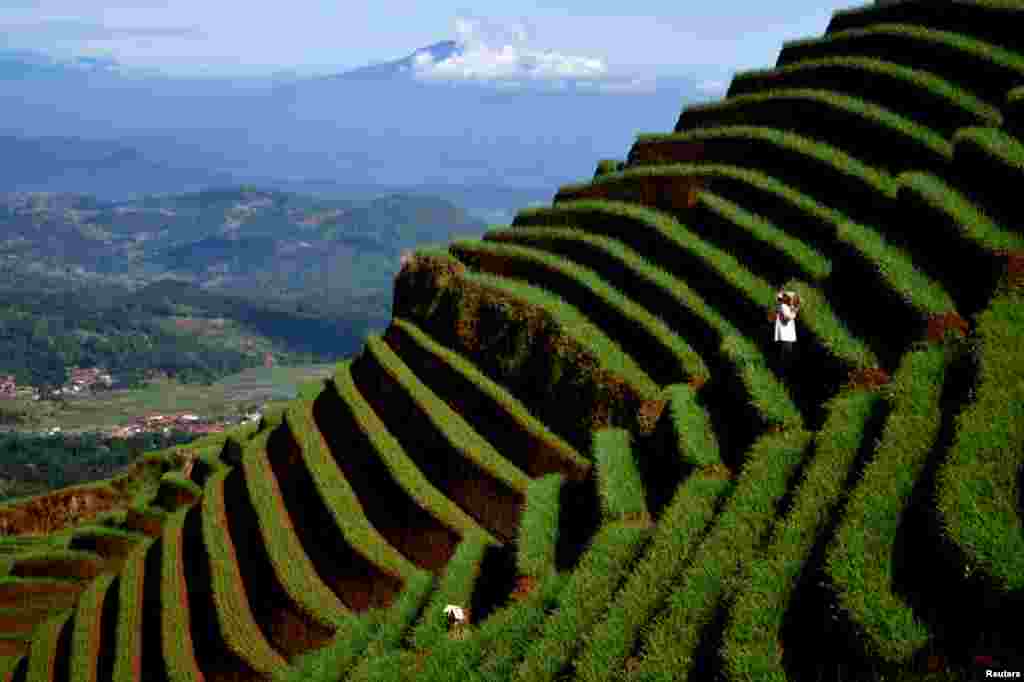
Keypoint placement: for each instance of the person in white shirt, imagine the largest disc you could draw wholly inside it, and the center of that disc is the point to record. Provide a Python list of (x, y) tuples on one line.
[(785, 328)]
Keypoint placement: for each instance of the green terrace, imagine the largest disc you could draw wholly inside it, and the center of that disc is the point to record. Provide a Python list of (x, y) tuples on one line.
[(579, 428)]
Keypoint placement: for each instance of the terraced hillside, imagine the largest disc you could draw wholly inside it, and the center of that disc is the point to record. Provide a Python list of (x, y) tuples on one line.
[(579, 427)]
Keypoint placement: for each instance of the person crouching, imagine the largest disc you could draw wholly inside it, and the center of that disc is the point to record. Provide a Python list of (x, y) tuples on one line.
[(786, 309)]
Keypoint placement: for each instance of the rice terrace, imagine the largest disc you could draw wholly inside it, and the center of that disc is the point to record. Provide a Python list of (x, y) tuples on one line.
[(579, 429)]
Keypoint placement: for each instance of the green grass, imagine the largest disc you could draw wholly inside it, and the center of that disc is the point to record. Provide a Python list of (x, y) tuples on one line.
[(605, 649), (723, 556), (997, 59), (337, 495), (175, 629), (814, 150), (895, 266), (456, 431), (402, 469), (240, 630), (129, 616), (859, 557), (966, 217), (455, 587), (767, 393), (87, 628), (42, 666), (736, 110), (954, 102), (694, 435), (751, 649), (585, 595), (576, 325), (330, 662), (538, 527), (496, 394), (292, 565), (978, 494), (618, 477), (661, 348)]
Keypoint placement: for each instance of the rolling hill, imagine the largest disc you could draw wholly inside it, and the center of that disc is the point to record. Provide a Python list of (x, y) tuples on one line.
[(579, 427)]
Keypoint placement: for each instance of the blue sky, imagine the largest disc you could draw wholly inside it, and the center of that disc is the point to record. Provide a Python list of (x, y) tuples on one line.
[(578, 38)]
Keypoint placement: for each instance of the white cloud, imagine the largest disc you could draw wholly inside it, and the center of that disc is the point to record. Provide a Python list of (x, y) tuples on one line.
[(505, 52)]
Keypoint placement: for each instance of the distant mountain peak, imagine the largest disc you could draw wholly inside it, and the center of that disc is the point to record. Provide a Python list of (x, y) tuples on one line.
[(405, 67)]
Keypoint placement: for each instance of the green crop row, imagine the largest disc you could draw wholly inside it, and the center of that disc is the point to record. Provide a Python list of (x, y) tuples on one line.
[(1004, 69), (85, 637), (309, 390), (502, 637), (985, 15), (618, 476), (823, 325), (606, 648), (457, 432), (403, 471), (695, 439), (751, 648), (882, 120), (496, 394), (175, 630), (978, 497), (292, 565), (955, 103), (455, 587), (394, 624), (894, 266), (329, 663), (42, 664), (586, 595), (817, 266), (669, 353), (859, 557), (338, 496), (538, 527), (723, 556), (767, 393), (241, 632), (576, 325), (819, 151), (173, 487), (552, 366), (608, 166), (128, 662), (972, 223)]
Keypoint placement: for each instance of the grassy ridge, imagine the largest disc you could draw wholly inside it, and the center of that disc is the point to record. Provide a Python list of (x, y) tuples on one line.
[(585, 595), (292, 565), (894, 266), (455, 587), (618, 477), (777, 108), (175, 628), (914, 93), (457, 432), (42, 665), (957, 57), (661, 348), (538, 527), (493, 392), (751, 644), (85, 637), (980, 152), (859, 557), (241, 632), (656, 229), (723, 556), (695, 439), (401, 468), (767, 393), (978, 498), (337, 495), (605, 649), (128, 662)]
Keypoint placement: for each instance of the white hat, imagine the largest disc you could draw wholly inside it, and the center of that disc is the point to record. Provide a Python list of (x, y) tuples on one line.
[(452, 610)]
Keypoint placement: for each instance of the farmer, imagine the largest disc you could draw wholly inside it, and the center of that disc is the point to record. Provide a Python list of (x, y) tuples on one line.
[(786, 307), (457, 620)]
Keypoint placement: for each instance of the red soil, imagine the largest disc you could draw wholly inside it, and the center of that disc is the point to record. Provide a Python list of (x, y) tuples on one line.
[(1014, 268), (524, 586), (666, 151), (49, 513), (938, 325), (57, 567), (869, 378), (150, 524), (27, 595), (24, 622), (13, 647)]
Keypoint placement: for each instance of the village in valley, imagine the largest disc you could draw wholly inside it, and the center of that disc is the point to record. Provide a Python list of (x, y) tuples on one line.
[(90, 381)]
